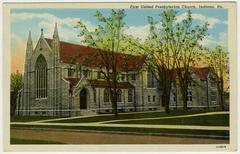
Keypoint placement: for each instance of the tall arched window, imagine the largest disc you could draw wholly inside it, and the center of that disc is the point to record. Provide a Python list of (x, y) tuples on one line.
[(41, 77), (119, 95), (106, 95)]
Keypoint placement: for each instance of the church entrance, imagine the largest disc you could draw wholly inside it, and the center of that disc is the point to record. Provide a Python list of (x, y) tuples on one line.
[(83, 99)]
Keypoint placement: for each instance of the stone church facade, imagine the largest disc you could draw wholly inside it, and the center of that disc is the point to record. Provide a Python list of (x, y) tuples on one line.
[(57, 83)]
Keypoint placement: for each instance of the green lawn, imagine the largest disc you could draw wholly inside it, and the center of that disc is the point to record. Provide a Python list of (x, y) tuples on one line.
[(133, 130), (207, 120), (29, 118), (204, 120), (25, 141), (136, 115)]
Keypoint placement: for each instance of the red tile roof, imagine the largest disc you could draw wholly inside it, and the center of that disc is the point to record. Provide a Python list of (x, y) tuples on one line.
[(73, 81), (104, 84), (88, 56), (201, 72)]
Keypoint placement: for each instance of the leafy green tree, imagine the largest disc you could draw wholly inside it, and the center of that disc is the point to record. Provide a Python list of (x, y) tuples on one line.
[(108, 39), (16, 85), (163, 44), (218, 62), (189, 52)]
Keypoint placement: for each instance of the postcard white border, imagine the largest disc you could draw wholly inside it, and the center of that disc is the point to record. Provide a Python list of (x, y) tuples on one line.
[(232, 44)]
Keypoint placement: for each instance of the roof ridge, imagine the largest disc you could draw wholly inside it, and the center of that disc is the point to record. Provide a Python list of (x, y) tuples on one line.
[(70, 43)]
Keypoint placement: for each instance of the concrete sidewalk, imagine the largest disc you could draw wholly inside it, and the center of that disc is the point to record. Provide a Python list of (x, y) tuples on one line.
[(126, 125), (170, 117), (88, 116)]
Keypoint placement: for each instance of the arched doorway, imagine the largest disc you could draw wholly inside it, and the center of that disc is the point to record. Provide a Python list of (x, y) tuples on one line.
[(83, 99)]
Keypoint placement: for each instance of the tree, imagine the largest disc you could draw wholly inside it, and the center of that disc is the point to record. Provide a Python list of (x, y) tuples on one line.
[(165, 47), (108, 39), (218, 62), (189, 53), (16, 85)]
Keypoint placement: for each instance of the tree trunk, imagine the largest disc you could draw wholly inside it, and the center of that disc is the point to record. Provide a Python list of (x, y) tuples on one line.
[(222, 102), (13, 103), (184, 99), (222, 95), (113, 95), (184, 96), (115, 112), (166, 97)]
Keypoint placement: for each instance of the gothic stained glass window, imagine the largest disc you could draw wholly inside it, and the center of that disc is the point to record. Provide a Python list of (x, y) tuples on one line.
[(41, 77)]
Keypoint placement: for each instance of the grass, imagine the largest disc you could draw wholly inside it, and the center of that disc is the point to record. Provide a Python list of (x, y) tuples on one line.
[(204, 120), (28, 141), (29, 118), (109, 117), (132, 130)]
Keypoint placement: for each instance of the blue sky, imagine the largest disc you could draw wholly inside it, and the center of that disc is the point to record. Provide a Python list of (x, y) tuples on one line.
[(23, 20)]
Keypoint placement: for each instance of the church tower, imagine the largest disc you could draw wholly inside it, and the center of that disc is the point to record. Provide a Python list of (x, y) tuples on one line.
[(27, 73), (57, 74), (55, 42)]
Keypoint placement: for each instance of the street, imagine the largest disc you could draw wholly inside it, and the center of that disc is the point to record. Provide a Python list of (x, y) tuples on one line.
[(74, 137)]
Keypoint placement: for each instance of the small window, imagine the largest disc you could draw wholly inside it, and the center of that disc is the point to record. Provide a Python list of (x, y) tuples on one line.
[(111, 76), (85, 73), (151, 81), (189, 96), (130, 95), (119, 95), (190, 83), (212, 80), (106, 95), (94, 95), (133, 77), (98, 75), (70, 72), (174, 96), (153, 99), (149, 98), (123, 77), (213, 96), (174, 84)]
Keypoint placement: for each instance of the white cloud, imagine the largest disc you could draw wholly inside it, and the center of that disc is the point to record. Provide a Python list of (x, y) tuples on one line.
[(137, 31), (212, 21), (47, 22), (211, 42)]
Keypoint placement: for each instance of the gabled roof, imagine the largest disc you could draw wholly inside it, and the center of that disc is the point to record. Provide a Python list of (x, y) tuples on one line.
[(201, 72), (72, 81), (88, 56), (104, 84)]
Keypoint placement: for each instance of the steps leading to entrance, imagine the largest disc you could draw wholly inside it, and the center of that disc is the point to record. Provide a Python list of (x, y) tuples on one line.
[(87, 112)]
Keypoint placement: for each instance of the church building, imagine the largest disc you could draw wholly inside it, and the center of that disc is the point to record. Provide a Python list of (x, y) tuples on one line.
[(59, 80)]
